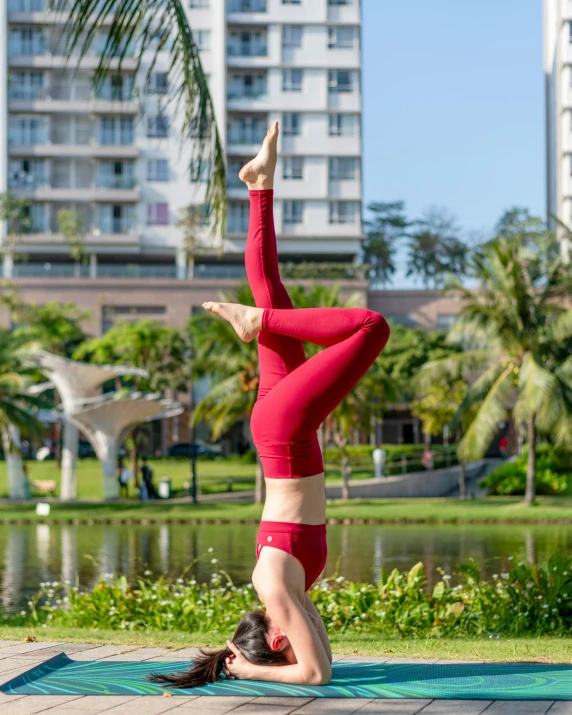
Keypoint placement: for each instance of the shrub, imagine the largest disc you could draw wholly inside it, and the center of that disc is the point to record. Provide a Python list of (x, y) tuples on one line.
[(510, 478), (527, 600)]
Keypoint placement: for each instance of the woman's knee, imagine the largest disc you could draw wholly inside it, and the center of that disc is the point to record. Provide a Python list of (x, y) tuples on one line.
[(377, 326)]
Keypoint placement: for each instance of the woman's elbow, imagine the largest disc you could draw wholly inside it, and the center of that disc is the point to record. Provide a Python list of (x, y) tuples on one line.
[(320, 677)]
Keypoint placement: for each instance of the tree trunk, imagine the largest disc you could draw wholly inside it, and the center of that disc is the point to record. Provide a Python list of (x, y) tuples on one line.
[(530, 494), (346, 472), (13, 456), (68, 489), (259, 486), (462, 481), (109, 467), (57, 446)]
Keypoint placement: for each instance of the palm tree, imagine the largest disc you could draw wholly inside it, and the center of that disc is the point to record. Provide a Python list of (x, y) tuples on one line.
[(519, 332), (148, 28), (15, 405), (232, 365)]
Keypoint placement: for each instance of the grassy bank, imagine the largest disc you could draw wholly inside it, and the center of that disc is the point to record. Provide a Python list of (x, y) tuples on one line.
[(543, 650), (451, 511)]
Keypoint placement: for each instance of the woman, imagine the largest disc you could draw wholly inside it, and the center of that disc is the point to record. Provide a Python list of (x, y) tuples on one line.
[(295, 396)]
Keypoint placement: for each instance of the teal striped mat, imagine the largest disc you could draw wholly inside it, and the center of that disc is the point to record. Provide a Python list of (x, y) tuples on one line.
[(474, 681)]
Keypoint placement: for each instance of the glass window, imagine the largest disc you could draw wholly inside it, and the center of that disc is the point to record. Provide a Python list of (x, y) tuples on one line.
[(292, 124), (291, 2), (343, 211), (292, 80), (198, 4), (343, 168), (157, 170), (158, 83), (292, 37), (293, 167), (340, 81), (247, 85), (158, 214), (247, 130), (238, 218), (343, 125), (157, 127), (203, 39), (342, 38), (200, 171), (247, 6), (293, 212), (247, 43), (336, 3)]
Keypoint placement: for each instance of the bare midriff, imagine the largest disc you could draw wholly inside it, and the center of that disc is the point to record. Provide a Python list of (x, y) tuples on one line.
[(297, 501)]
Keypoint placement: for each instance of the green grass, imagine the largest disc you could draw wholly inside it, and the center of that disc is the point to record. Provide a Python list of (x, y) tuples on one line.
[(544, 650), (487, 510)]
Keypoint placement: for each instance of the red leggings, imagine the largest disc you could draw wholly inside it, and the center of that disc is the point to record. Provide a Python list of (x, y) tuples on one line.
[(296, 395)]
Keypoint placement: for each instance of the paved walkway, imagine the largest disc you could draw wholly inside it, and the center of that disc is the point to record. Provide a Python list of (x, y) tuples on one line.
[(17, 657)]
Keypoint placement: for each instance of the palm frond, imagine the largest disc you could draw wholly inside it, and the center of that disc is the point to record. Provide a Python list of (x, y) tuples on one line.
[(147, 28), (452, 367)]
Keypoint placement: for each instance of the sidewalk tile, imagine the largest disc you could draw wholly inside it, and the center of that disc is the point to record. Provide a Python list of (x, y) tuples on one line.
[(456, 707), (333, 706), (98, 703), (184, 653), (254, 708), (36, 704), (214, 704), (144, 654), (395, 707), (280, 700), (101, 652), (522, 707), (24, 648), (561, 707), (148, 705)]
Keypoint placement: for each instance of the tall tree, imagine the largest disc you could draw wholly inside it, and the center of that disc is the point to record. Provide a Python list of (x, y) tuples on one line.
[(385, 227), (16, 212), (70, 225), (435, 249), (145, 29), (519, 331), (16, 405)]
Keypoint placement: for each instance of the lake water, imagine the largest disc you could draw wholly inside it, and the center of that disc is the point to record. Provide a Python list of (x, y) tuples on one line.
[(31, 554)]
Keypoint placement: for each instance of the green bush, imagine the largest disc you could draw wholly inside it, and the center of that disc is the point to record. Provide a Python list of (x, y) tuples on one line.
[(551, 478), (527, 600)]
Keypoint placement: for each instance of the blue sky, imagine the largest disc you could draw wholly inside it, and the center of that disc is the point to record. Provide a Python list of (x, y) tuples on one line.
[(454, 106)]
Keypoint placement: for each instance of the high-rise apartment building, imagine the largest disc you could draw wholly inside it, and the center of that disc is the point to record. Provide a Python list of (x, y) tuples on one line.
[(558, 78), (114, 157)]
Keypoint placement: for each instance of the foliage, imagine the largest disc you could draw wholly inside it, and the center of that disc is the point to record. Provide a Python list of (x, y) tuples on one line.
[(190, 222), (322, 270), (70, 225), (518, 332), (16, 212), (552, 476), (146, 29), (527, 600), (437, 406), (435, 248), (386, 226), (145, 344)]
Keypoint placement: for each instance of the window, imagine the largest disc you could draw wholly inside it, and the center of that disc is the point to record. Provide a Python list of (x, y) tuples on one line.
[(27, 43), (343, 168), (293, 212), (340, 81), (292, 37), (27, 130), (292, 124), (343, 125), (158, 214), (238, 218), (337, 3), (247, 43), (116, 132), (27, 173), (26, 85), (247, 6), (116, 87), (198, 4), (293, 167), (343, 212), (158, 83), (341, 38), (199, 171), (291, 2), (292, 80), (203, 39), (157, 127), (116, 218), (157, 170), (247, 85), (247, 130), (115, 175), (445, 321)]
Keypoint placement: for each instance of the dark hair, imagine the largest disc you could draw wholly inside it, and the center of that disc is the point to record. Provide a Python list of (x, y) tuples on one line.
[(250, 638)]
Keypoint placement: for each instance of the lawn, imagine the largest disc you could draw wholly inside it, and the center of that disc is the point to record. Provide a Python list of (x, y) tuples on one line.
[(543, 650), (443, 510)]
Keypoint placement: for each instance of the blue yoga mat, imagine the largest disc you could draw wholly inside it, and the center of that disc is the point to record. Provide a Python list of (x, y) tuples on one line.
[(489, 681)]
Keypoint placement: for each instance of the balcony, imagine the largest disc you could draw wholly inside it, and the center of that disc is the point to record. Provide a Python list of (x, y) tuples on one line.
[(247, 6)]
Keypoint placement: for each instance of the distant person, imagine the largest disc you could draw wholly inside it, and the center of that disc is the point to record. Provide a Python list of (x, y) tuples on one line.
[(147, 479), (124, 479), (503, 446), (428, 458), (26, 481)]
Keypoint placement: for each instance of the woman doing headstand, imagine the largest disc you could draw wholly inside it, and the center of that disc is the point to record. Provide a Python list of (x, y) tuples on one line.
[(295, 396)]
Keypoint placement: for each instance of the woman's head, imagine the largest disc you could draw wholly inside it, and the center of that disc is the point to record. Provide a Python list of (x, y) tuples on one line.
[(258, 639)]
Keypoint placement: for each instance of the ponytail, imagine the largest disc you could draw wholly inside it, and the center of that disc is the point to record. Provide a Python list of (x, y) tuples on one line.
[(250, 638)]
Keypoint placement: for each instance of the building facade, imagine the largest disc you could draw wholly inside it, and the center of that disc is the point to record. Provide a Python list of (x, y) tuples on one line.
[(114, 158), (558, 81)]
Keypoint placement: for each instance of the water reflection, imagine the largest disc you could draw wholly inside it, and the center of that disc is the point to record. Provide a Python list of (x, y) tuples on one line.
[(82, 554)]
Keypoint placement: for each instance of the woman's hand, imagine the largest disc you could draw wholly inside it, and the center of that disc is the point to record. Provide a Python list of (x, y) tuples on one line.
[(236, 666)]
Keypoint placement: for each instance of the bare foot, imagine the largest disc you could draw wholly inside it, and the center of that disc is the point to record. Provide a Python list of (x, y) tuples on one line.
[(246, 320), (259, 173)]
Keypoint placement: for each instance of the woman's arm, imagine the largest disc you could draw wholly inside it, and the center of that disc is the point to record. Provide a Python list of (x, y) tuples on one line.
[(316, 619)]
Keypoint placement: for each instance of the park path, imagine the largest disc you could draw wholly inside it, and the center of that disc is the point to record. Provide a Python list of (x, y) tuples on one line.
[(17, 657)]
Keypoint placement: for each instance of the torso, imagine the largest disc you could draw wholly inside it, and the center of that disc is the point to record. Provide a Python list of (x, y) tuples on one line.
[(297, 501)]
